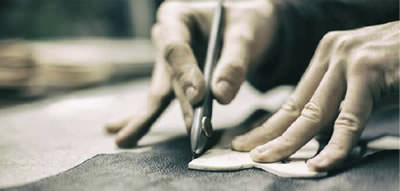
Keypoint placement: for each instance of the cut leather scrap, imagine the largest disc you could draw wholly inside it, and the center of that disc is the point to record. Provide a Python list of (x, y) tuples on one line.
[(294, 167)]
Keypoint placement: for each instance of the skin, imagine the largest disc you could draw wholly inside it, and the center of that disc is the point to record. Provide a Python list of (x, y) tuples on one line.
[(350, 73), (181, 37)]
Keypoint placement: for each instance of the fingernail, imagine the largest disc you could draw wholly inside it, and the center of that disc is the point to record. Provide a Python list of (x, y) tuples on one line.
[(258, 155), (237, 142), (318, 163), (190, 93), (258, 150)]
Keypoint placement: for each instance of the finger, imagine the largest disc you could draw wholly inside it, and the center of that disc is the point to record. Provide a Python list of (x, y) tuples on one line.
[(289, 112), (159, 89), (173, 39), (316, 114), (115, 126), (325, 133), (186, 107), (159, 98), (183, 90), (231, 69), (186, 72), (348, 126)]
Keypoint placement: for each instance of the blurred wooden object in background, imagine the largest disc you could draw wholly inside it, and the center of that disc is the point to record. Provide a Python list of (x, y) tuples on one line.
[(15, 63), (39, 66)]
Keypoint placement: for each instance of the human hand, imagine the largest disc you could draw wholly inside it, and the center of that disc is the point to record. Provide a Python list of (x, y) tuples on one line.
[(181, 37), (350, 73)]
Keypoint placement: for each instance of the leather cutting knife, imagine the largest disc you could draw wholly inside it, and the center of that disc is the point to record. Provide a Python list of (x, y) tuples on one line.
[(202, 130)]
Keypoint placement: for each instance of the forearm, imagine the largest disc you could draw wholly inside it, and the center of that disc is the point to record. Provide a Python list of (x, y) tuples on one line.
[(302, 23)]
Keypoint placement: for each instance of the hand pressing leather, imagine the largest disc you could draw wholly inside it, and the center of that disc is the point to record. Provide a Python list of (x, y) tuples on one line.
[(181, 36), (351, 73)]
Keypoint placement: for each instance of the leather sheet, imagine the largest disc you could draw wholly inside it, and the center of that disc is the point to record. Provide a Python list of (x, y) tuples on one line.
[(165, 168)]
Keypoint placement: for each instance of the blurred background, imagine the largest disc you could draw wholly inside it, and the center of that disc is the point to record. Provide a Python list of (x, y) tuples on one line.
[(43, 19), (57, 45)]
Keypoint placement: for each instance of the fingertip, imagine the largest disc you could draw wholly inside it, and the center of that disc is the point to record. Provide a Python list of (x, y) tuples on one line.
[(239, 144), (111, 128), (250, 140), (128, 136), (317, 164), (114, 127), (259, 154), (125, 142), (328, 159), (229, 76), (255, 155), (224, 91), (278, 149)]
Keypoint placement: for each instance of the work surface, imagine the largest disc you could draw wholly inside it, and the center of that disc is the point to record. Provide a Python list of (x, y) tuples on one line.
[(44, 137), (47, 137)]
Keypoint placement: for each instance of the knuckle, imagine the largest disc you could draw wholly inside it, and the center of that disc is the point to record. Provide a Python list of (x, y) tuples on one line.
[(163, 10), (170, 9), (330, 37), (348, 122), (363, 61), (312, 112), (291, 107), (344, 43), (324, 49), (174, 51)]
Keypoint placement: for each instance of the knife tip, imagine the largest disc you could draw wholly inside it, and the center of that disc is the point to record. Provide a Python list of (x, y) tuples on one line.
[(195, 155)]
